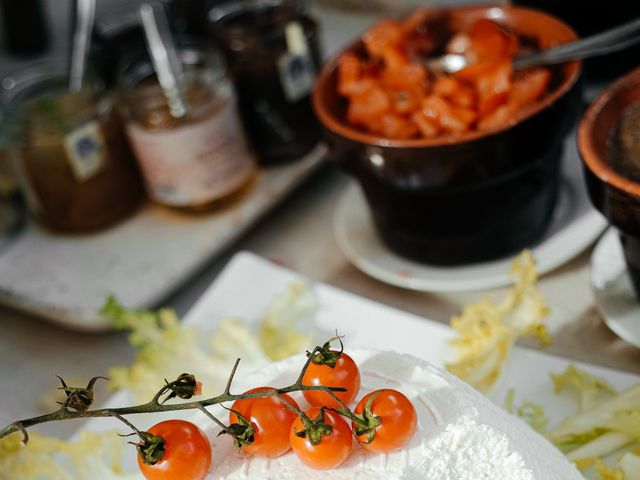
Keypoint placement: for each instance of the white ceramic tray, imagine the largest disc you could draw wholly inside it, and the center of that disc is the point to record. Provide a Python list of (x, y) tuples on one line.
[(66, 279), (248, 284)]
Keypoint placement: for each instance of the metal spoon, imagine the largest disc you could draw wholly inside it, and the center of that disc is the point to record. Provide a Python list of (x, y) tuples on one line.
[(603, 43), (84, 15), (164, 56)]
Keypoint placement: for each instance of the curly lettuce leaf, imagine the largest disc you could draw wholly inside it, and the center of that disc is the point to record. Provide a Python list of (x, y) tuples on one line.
[(627, 467), (287, 324), (605, 472), (166, 348), (93, 455), (602, 429), (590, 389), (486, 330), (530, 412), (630, 465)]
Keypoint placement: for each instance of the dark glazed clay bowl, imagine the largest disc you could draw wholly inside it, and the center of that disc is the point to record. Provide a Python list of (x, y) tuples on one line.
[(470, 198), (617, 197)]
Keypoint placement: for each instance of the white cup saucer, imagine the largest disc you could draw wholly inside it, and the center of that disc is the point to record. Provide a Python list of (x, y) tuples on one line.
[(612, 289)]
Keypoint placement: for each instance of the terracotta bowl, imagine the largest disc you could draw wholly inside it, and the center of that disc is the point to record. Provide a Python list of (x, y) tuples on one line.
[(474, 197), (617, 197)]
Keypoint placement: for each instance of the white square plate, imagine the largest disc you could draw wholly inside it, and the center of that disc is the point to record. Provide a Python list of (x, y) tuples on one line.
[(249, 283)]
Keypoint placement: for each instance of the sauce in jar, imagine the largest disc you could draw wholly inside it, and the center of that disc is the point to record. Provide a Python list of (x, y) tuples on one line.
[(273, 54), (73, 162), (194, 161)]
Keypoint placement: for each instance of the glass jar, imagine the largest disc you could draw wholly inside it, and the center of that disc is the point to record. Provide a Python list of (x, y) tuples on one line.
[(273, 54), (70, 155), (194, 161)]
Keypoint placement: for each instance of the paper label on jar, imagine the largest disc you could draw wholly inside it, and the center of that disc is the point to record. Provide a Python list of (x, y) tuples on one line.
[(85, 150), (195, 163), (297, 72)]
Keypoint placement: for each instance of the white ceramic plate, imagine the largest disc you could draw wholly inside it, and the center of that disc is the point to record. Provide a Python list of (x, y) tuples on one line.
[(612, 289), (575, 225), (365, 324)]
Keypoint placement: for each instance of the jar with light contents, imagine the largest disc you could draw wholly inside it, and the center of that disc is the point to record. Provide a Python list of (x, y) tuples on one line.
[(195, 160)]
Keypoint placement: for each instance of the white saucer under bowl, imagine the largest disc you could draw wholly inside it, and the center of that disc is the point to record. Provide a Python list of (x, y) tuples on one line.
[(574, 227), (612, 289)]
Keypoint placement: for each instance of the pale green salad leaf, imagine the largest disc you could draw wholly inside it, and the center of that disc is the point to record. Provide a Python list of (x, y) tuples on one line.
[(92, 456), (590, 389), (486, 330), (166, 348)]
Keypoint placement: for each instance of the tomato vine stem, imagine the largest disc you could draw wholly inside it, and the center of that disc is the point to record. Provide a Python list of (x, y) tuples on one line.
[(154, 405)]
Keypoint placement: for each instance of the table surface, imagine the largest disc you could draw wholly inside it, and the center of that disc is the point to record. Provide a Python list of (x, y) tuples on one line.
[(299, 235)]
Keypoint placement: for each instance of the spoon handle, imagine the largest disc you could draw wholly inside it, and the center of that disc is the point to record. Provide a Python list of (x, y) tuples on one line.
[(164, 56), (603, 43), (83, 19)]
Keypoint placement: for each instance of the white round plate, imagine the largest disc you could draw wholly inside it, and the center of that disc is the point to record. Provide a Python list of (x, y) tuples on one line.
[(612, 289), (575, 226)]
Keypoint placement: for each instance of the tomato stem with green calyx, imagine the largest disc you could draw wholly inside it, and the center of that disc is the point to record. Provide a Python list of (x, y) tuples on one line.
[(243, 432), (365, 423), (314, 429), (154, 406), (369, 421), (150, 447), (78, 399), (185, 387), (324, 355)]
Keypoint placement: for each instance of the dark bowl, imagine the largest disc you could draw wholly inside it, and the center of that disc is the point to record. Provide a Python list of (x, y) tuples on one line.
[(615, 195), (473, 197)]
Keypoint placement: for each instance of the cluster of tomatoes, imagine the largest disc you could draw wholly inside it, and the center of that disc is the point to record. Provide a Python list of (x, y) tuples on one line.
[(391, 93), (322, 437)]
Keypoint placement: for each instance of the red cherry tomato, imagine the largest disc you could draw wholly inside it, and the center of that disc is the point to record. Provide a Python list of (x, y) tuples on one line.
[(271, 419), (333, 448), (344, 374), (398, 420), (187, 454)]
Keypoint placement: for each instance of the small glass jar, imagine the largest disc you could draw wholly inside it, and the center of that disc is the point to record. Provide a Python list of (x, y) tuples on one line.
[(194, 161), (69, 152), (273, 54)]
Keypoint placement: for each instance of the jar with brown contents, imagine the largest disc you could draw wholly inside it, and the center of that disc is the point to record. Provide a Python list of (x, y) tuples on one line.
[(71, 157), (194, 161)]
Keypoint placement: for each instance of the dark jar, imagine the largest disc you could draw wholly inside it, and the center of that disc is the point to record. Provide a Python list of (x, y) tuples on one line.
[(69, 152), (273, 55)]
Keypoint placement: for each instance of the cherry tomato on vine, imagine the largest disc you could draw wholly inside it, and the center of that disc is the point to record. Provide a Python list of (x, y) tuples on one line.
[(397, 417), (271, 420), (334, 448), (344, 374), (187, 452)]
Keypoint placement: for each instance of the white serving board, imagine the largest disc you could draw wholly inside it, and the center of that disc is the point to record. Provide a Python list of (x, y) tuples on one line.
[(66, 279), (248, 284)]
